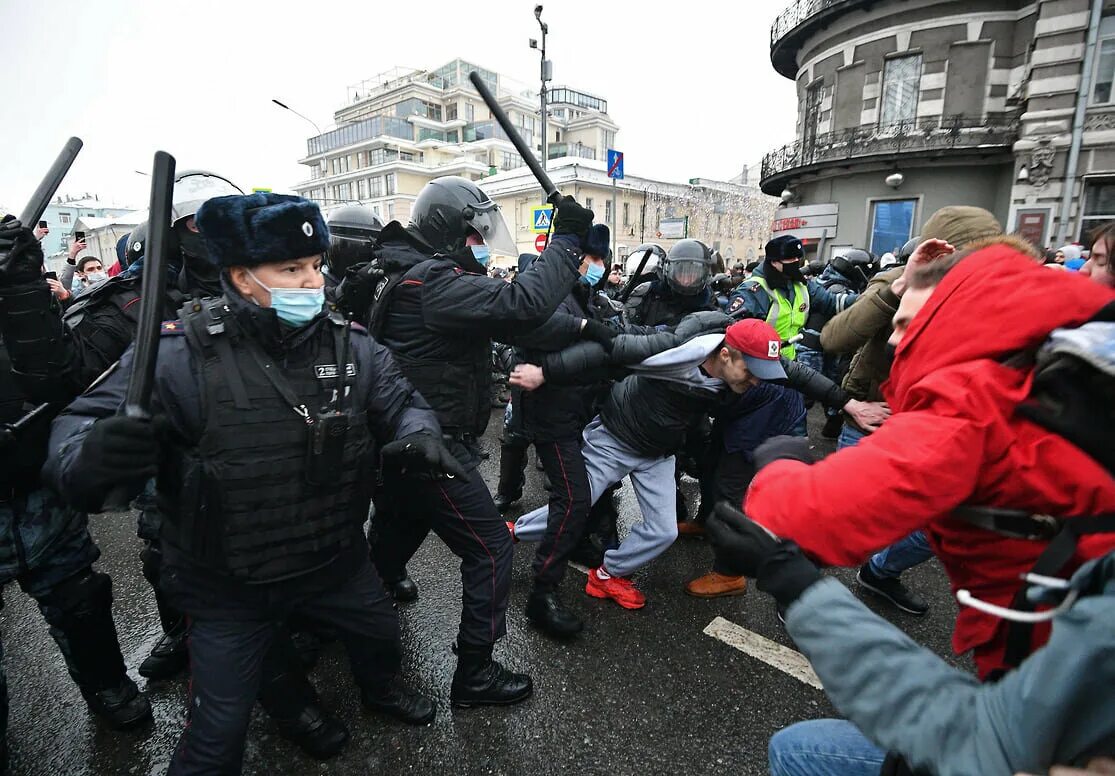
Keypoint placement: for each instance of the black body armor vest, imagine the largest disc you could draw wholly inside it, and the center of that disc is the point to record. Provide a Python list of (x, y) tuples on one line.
[(241, 501)]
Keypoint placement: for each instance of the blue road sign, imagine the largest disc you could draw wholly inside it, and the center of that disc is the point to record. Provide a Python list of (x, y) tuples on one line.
[(615, 164)]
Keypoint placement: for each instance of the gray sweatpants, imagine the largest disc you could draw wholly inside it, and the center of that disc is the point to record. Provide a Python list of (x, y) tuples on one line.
[(608, 461)]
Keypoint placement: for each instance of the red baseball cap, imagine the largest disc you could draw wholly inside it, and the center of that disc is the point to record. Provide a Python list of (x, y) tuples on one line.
[(760, 345)]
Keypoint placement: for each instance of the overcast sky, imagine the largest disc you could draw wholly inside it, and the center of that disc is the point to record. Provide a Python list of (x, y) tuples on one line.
[(690, 83)]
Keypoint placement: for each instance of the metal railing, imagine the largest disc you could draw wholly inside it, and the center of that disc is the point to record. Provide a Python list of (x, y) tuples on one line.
[(919, 135), (798, 13)]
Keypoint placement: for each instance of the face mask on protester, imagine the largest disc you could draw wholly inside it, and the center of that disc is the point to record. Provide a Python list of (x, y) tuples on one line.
[(592, 275), (481, 253), (294, 306)]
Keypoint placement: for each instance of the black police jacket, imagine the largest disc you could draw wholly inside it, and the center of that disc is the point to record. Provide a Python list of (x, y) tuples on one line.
[(385, 401), (440, 314)]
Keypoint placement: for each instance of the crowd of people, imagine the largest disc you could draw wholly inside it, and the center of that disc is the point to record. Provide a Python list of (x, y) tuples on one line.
[(320, 394)]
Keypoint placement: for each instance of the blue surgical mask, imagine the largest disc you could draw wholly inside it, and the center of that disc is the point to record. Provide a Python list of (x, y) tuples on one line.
[(593, 274), (481, 253), (294, 306)]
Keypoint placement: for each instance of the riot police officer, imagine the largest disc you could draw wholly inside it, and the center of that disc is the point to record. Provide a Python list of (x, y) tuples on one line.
[(44, 546), (680, 286), (98, 328), (353, 231), (269, 408), (438, 310)]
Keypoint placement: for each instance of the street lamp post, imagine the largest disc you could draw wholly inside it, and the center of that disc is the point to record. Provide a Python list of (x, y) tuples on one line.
[(284, 106), (546, 73)]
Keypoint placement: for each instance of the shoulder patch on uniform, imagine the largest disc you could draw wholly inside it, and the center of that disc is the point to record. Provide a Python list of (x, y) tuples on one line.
[(172, 329), (736, 304)]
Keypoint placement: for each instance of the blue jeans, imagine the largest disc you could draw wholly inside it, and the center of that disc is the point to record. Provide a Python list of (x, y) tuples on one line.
[(905, 554), (823, 747)]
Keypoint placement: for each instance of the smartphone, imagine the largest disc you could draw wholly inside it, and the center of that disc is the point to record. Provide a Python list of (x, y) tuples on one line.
[(42, 225), (50, 275), (79, 236)]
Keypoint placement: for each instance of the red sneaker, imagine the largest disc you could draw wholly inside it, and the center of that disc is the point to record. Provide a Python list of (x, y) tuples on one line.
[(620, 589), (511, 530)]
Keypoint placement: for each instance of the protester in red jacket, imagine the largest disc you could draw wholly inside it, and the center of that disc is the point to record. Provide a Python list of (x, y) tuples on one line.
[(954, 439)]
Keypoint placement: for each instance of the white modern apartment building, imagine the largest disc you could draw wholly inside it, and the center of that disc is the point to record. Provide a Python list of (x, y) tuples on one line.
[(400, 129)]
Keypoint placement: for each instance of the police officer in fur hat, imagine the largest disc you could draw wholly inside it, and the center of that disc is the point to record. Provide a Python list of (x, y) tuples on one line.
[(268, 411)]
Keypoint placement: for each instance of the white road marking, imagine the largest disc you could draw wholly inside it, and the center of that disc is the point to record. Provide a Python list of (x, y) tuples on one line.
[(772, 653)]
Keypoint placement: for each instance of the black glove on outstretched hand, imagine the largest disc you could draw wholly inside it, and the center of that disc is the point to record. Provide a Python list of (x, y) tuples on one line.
[(788, 448), (21, 255), (120, 449), (572, 219), (745, 548), (598, 332), (423, 451)]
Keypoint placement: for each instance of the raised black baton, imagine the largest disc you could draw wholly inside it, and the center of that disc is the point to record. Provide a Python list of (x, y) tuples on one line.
[(552, 194), (39, 201)]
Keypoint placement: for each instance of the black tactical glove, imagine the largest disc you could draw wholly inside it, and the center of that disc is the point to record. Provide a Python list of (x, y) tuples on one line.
[(789, 448), (120, 450), (740, 545), (21, 255), (356, 291), (572, 219), (598, 332), (424, 452), (745, 548)]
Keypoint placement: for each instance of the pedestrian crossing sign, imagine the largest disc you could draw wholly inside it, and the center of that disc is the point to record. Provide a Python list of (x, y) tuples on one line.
[(541, 217)]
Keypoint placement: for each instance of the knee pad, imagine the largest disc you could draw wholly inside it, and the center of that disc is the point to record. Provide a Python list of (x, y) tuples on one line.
[(152, 559), (80, 595)]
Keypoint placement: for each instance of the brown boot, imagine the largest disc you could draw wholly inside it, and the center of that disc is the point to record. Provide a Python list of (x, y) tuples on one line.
[(691, 528), (713, 585)]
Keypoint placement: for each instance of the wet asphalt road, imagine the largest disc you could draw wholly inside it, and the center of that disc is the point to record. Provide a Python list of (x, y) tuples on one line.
[(641, 692)]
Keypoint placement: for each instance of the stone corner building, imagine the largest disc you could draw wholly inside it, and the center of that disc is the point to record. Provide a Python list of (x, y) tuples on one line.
[(905, 106)]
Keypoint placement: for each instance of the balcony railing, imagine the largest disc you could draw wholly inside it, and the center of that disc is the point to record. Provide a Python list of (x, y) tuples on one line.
[(360, 131), (798, 13), (920, 135)]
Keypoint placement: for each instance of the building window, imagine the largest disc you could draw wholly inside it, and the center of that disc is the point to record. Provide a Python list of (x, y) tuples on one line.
[(607, 211), (470, 112), (362, 188), (390, 211), (892, 224), (451, 112), (627, 214), (1105, 65), (1099, 205), (389, 182), (901, 85), (375, 186), (63, 218), (343, 192), (588, 202)]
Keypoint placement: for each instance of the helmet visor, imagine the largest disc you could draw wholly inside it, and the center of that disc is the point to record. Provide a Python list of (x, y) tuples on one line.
[(688, 276), (489, 224), (191, 191)]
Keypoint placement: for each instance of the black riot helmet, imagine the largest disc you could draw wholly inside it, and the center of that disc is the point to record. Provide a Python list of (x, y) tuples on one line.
[(907, 250), (191, 189), (688, 267), (448, 209), (353, 230), (137, 244), (857, 265)]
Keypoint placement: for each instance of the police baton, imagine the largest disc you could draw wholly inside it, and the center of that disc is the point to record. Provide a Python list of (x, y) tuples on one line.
[(141, 381), (634, 279), (552, 194)]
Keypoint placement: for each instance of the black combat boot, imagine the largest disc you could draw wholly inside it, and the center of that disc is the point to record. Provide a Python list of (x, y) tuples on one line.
[(168, 657), (546, 611), (121, 706), (396, 700), (481, 681), (512, 460), (402, 590), (290, 700), (79, 612), (315, 731)]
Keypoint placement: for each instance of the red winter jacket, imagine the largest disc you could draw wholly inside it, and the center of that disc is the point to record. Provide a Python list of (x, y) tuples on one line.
[(954, 439)]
